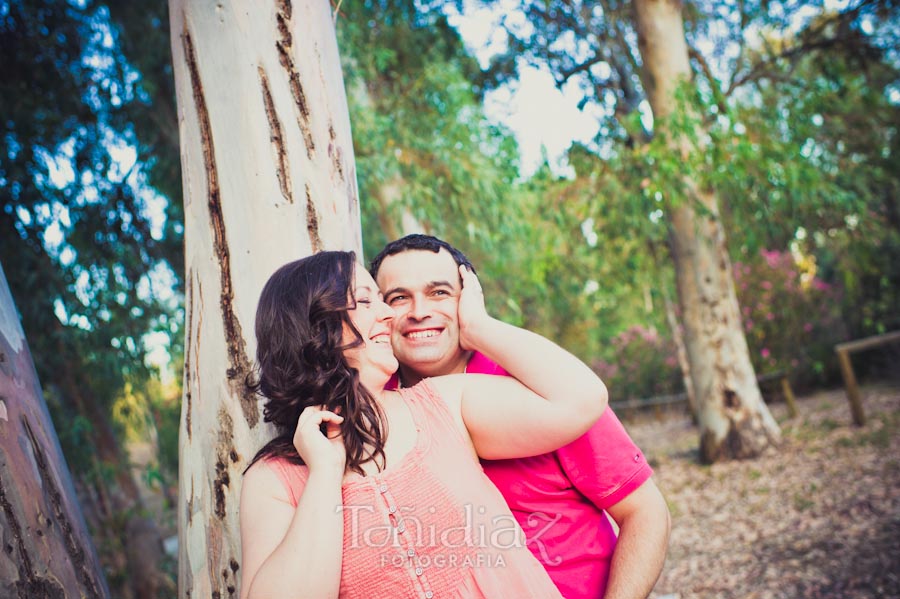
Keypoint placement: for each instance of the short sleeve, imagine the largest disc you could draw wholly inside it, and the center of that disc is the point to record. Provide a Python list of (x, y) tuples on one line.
[(481, 364), (292, 476), (605, 464)]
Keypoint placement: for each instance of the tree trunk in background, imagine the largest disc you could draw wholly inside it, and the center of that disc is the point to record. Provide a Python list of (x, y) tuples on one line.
[(395, 221), (122, 519), (47, 551), (681, 351), (269, 177), (734, 420), (387, 195)]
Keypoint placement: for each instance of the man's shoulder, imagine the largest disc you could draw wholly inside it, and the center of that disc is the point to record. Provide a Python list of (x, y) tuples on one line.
[(481, 364), (605, 463)]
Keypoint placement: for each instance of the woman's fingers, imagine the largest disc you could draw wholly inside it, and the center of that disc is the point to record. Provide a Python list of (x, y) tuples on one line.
[(316, 415), (313, 418), (471, 311), (469, 279), (317, 437), (333, 428), (332, 423)]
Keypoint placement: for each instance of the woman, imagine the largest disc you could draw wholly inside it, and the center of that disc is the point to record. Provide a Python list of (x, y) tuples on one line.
[(374, 493)]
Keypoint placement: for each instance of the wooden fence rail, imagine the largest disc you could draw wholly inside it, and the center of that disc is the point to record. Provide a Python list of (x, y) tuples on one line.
[(843, 351), (659, 401)]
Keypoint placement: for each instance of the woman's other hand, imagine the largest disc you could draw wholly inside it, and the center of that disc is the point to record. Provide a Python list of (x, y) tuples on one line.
[(320, 450)]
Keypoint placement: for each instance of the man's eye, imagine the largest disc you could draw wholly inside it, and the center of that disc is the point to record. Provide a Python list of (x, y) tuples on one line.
[(395, 298), (441, 292)]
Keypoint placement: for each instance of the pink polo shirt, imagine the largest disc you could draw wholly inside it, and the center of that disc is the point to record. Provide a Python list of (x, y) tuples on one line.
[(559, 498)]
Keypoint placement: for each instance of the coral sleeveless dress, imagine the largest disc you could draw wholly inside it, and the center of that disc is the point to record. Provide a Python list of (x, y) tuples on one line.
[(432, 525)]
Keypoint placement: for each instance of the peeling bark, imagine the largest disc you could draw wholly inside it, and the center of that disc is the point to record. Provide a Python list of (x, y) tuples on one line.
[(312, 223), (223, 451), (334, 152), (186, 383), (281, 168), (237, 353), (283, 46), (241, 158)]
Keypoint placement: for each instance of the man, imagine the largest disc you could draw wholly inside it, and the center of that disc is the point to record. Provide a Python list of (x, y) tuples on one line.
[(560, 499)]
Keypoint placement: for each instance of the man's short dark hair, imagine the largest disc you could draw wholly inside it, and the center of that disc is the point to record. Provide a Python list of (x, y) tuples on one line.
[(419, 242)]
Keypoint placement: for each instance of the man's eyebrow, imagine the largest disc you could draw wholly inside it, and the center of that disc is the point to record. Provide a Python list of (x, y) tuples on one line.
[(388, 292), (428, 285)]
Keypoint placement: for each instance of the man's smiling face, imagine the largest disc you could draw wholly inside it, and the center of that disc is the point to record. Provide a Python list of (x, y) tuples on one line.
[(423, 288)]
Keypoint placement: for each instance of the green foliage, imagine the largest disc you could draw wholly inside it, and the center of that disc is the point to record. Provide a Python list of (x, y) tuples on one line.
[(815, 160), (90, 249), (423, 147), (544, 266), (79, 240), (791, 121)]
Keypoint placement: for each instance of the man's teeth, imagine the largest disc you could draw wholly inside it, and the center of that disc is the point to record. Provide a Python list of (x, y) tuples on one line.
[(422, 334)]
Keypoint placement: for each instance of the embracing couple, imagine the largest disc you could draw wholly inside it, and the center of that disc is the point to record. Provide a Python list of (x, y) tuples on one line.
[(426, 449)]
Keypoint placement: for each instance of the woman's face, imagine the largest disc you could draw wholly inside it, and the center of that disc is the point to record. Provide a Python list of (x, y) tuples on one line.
[(373, 319)]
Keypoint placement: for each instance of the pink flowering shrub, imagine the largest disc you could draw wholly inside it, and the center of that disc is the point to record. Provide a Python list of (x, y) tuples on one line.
[(789, 324), (643, 365)]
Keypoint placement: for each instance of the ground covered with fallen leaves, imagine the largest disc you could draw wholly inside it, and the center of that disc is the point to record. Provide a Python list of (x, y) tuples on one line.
[(817, 518)]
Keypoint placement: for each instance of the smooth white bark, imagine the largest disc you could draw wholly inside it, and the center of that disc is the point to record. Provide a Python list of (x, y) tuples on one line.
[(269, 177)]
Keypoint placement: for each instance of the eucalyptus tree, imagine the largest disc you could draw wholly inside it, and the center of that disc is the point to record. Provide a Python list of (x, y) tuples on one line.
[(734, 420), (269, 177)]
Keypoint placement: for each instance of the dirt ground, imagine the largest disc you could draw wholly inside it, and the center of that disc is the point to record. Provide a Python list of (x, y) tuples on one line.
[(817, 518)]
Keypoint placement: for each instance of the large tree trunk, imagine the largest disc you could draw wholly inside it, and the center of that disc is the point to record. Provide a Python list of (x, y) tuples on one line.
[(388, 196), (47, 549), (734, 420), (396, 221), (268, 177)]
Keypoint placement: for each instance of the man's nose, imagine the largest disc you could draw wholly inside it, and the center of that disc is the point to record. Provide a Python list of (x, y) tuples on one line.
[(419, 308)]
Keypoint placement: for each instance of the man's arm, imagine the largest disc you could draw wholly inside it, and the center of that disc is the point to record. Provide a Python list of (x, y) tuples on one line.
[(644, 524), (609, 469)]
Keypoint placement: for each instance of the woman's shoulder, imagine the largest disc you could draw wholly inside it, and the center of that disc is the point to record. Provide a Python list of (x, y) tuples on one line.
[(450, 388), (435, 395), (277, 477), (447, 388), (437, 403)]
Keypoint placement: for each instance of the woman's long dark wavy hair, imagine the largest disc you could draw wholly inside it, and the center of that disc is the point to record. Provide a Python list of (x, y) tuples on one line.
[(300, 325)]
